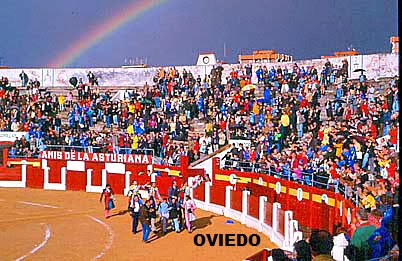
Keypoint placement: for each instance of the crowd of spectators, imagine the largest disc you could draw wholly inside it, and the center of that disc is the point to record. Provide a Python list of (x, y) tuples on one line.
[(367, 242), (313, 127), (133, 125), (155, 118), (352, 147)]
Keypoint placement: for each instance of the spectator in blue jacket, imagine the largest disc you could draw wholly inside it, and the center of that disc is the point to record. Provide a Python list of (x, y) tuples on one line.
[(267, 95), (338, 92), (259, 74), (381, 241)]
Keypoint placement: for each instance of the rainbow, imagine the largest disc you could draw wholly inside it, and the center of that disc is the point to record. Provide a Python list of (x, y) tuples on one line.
[(132, 11)]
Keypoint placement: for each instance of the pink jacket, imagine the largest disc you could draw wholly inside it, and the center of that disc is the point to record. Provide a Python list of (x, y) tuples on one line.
[(189, 204)]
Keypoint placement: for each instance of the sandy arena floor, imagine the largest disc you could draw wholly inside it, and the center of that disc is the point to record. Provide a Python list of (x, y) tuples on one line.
[(69, 225)]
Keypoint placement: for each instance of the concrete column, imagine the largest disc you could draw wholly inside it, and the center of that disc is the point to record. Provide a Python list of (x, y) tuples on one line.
[(207, 195), (288, 218), (227, 196), (89, 180), (24, 173), (104, 179), (245, 194), (261, 214), (45, 177), (63, 177), (275, 214), (190, 184), (127, 182), (295, 234)]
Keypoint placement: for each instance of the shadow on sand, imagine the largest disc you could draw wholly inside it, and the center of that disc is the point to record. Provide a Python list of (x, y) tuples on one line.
[(199, 223), (120, 213), (203, 222)]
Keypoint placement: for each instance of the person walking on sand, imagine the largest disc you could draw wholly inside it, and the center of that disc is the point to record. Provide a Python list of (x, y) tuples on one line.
[(174, 210), (153, 193), (145, 220), (163, 212), (134, 191), (173, 192), (189, 208), (134, 209), (152, 214), (108, 194)]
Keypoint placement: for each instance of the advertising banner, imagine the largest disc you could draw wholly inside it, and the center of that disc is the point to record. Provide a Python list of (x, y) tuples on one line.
[(10, 136), (96, 157)]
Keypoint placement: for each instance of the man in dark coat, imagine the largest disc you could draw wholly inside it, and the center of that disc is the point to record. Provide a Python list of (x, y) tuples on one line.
[(145, 220), (173, 192), (24, 78)]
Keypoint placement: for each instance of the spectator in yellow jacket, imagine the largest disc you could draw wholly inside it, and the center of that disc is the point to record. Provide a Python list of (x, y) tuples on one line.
[(61, 102)]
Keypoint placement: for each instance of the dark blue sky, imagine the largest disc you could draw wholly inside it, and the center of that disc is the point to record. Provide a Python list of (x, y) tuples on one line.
[(173, 33)]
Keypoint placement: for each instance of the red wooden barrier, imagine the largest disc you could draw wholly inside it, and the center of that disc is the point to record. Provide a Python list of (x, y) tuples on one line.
[(236, 200), (35, 177), (253, 206), (310, 210), (10, 174), (75, 180), (268, 213)]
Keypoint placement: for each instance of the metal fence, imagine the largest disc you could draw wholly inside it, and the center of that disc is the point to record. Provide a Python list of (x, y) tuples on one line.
[(315, 178), (74, 148), (93, 149)]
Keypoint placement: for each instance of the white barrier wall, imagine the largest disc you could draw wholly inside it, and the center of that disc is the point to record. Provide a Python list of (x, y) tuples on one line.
[(376, 66), (291, 231), (286, 241)]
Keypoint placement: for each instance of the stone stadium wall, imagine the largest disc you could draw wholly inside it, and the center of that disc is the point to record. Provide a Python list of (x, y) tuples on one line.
[(376, 66)]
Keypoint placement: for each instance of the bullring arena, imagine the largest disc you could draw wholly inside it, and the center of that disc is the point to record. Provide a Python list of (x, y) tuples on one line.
[(65, 223), (69, 225)]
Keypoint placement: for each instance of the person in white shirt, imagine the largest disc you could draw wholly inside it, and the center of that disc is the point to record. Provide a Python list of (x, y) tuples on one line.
[(134, 212), (370, 95), (15, 126), (340, 243), (152, 175), (285, 88)]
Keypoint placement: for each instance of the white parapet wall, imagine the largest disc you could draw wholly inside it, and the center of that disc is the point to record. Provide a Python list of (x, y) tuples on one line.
[(97, 189), (376, 66), (291, 229), (18, 183)]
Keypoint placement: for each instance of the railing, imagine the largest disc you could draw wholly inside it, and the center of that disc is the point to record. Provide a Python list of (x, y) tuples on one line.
[(94, 149), (116, 150), (160, 161), (136, 151), (90, 149), (23, 156), (75, 148), (310, 179)]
